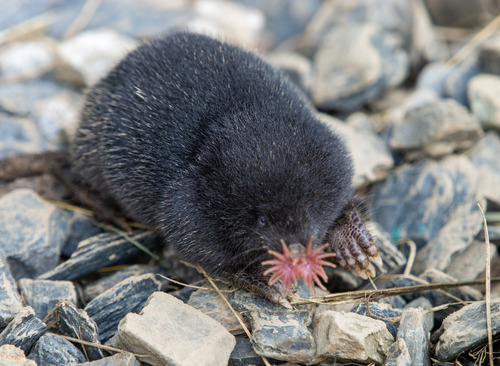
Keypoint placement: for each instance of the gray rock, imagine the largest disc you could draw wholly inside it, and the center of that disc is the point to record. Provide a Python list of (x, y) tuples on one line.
[(96, 288), (297, 67), (457, 13), (465, 329), (82, 227), (435, 130), (413, 330), (57, 119), (211, 304), (243, 354), (26, 59), (456, 236), (392, 257), (484, 158), (483, 98), (418, 201), (54, 350), (456, 83), (111, 306), (97, 252), (355, 64), (398, 354), (489, 56), (87, 57), (43, 295), (171, 332), (10, 301), (468, 265), (383, 312), (75, 323), (19, 135), (120, 359), (13, 356), (393, 16), (371, 156), (424, 304), (397, 104), (433, 77), (32, 233), (24, 330), (349, 337), (22, 98), (277, 333)]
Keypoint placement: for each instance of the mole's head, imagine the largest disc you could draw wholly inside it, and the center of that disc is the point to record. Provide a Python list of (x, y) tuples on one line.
[(264, 183)]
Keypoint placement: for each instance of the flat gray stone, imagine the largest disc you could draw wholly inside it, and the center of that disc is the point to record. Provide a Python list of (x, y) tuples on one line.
[(10, 301), (424, 304), (398, 354), (24, 330), (413, 330), (87, 57), (483, 156), (130, 295), (465, 329), (32, 233), (120, 359), (13, 356), (417, 201), (352, 338), (26, 59), (383, 312), (435, 130), (468, 265), (44, 295), (370, 154), (484, 101), (356, 63), (54, 350), (19, 135), (170, 332), (96, 252)]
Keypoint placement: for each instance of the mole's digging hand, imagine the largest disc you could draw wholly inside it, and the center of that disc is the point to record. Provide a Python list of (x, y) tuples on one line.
[(298, 263), (353, 245)]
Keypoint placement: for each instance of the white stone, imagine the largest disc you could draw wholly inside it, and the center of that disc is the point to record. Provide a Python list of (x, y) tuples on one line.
[(13, 356), (25, 59), (87, 57), (484, 99), (351, 337), (170, 332)]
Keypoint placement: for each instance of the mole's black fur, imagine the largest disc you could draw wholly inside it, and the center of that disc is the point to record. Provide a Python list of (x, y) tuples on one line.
[(217, 150)]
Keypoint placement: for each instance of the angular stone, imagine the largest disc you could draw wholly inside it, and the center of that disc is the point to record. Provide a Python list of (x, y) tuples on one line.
[(484, 100), (43, 295), (26, 59), (349, 337), (75, 323), (243, 354), (418, 201), (97, 252), (81, 227), (87, 57), (355, 63), (413, 330), (424, 304), (111, 306), (13, 356), (297, 67), (398, 354), (489, 55), (456, 236), (383, 312), (10, 301), (171, 332), (120, 359), (371, 156), (457, 81), (52, 349), (468, 265), (19, 135), (392, 257), (435, 129), (24, 330), (465, 329), (484, 158), (96, 288), (32, 233), (277, 333)]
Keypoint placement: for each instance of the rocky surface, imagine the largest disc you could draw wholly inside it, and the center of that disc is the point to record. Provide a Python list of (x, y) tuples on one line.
[(422, 129)]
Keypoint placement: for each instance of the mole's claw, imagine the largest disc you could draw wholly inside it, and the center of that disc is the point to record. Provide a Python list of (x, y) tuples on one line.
[(353, 244)]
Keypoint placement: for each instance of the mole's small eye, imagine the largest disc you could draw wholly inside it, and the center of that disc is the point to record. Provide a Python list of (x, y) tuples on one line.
[(262, 221)]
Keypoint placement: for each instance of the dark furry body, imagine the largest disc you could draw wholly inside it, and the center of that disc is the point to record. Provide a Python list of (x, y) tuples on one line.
[(214, 148)]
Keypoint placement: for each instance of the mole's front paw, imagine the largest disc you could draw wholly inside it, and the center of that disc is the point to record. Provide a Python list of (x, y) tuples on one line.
[(353, 245)]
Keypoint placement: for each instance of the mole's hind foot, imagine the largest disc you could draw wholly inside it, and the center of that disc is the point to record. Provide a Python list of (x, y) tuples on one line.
[(353, 244)]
